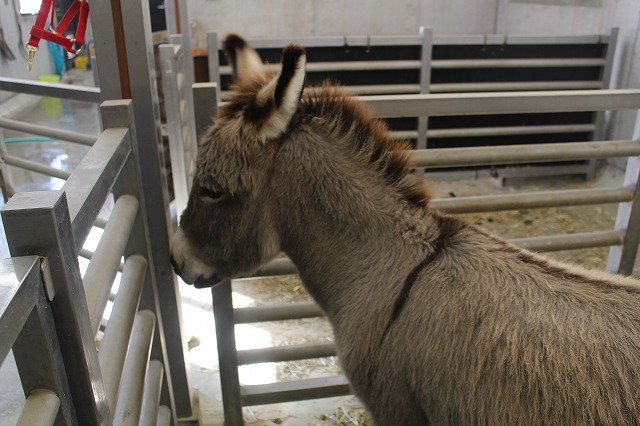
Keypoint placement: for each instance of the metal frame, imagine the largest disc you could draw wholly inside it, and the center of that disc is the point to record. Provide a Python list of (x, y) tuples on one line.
[(180, 126), (422, 40), (136, 58), (26, 325), (54, 225), (428, 41), (143, 164), (623, 238), (61, 91)]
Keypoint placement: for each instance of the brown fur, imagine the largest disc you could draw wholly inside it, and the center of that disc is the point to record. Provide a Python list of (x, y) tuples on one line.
[(436, 321)]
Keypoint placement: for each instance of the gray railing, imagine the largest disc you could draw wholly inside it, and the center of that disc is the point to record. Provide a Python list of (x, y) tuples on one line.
[(128, 377), (623, 239), (26, 325), (428, 63), (180, 127), (53, 90)]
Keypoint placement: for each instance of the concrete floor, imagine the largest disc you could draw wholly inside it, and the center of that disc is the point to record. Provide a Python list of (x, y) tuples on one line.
[(196, 304)]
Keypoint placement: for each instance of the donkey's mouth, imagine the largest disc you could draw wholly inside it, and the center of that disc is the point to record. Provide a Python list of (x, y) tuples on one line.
[(202, 282)]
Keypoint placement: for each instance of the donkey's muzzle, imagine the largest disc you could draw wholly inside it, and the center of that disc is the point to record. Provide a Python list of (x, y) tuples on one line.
[(200, 282), (207, 282)]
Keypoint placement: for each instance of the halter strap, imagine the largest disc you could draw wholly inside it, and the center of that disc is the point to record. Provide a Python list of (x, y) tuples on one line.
[(56, 35)]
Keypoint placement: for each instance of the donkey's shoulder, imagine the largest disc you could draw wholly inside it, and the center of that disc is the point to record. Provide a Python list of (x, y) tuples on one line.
[(531, 261)]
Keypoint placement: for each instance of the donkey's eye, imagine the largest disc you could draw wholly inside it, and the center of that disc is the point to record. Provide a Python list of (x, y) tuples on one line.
[(210, 193)]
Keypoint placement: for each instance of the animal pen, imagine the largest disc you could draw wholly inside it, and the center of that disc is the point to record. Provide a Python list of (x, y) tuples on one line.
[(139, 372), (43, 311)]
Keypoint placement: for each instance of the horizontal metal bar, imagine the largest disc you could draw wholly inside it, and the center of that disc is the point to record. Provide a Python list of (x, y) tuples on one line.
[(287, 311), (151, 395), (40, 409), (509, 131), (517, 63), (35, 167), (17, 298), (117, 333), (54, 90), (374, 89), (383, 89), (35, 129), (164, 416), (335, 41), (404, 134), (127, 410), (363, 65), (508, 39), (502, 103), (415, 39), (323, 387), (280, 266), (510, 86), (98, 279), (345, 66), (448, 157), (89, 185), (571, 197), (286, 353), (88, 254), (571, 242)]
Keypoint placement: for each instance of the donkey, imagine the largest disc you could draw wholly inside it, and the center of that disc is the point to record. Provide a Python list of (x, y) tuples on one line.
[(436, 321)]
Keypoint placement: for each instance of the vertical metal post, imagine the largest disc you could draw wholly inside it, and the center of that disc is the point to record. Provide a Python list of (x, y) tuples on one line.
[(6, 183), (213, 59), (177, 148), (185, 116), (622, 258), (106, 50), (120, 114), (185, 29), (205, 97), (39, 223), (134, 373), (227, 355), (605, 77), (37, 342), (137, 28), (170, 10), (426, 35)]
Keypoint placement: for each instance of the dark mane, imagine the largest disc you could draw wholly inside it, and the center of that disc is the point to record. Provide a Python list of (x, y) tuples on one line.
[(346, 119), (369, 137)]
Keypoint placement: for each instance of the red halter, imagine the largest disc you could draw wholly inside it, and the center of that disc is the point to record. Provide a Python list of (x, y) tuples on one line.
[(55, 35)]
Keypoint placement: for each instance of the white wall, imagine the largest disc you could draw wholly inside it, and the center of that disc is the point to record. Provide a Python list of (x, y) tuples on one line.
[(287, 18), (18, 68)]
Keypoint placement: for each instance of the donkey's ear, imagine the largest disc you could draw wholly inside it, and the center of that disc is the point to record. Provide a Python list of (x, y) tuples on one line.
[(244, 60), (278, 100)]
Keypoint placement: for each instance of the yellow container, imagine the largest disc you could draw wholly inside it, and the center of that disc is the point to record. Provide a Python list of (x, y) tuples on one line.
[(49, 78), (81, 62), (52, 106)]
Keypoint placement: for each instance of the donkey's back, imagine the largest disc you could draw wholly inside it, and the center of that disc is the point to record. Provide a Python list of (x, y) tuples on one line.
[(492, 334)]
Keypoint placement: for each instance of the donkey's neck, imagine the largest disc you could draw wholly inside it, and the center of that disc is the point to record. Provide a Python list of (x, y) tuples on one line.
[(350, 236)]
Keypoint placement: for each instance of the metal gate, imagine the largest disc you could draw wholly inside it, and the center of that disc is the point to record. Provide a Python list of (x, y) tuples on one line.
[(623, 239)]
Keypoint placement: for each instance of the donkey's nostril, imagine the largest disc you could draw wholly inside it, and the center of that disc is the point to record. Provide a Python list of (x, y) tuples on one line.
[(176, 268)]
